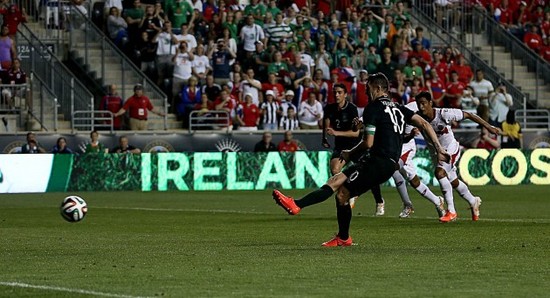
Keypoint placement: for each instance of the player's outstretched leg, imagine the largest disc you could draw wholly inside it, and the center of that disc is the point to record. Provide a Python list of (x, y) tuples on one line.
[(293, 207), (285, 202)]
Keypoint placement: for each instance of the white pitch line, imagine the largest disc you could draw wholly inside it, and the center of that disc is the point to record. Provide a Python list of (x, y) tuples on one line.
[(61, 289), (511, 220)]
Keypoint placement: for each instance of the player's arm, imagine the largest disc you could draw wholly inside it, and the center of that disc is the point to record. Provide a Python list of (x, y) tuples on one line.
[(419, 122), (326, 123), (343, 133), (478, 120), (411, 135), (363, 146)]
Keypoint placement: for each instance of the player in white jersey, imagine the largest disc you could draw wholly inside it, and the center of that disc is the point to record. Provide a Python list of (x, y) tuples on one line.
[(408, 170), (445, 172)]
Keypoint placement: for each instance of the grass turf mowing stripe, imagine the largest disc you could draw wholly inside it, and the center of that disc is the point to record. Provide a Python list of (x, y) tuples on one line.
[(466, 218), (61, 289)]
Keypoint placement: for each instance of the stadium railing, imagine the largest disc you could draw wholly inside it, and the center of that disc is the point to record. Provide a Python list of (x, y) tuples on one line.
[(211, 120), (475, 61), (537, 119), (71, 94), (87, 39), (92, 120), (42, 105), (497, 35)]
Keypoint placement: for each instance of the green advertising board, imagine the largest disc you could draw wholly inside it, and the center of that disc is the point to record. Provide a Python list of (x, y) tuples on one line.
[(240, 170)]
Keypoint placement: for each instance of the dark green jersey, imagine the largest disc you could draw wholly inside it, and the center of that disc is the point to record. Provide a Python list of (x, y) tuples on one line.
[(386, 121), (341, 120)]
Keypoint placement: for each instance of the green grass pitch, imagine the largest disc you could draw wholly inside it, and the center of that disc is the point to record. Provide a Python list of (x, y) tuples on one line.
[(240, 244)]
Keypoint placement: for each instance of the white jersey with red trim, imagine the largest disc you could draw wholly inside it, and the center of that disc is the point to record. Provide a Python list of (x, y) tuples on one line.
[(410, 145), (442, 127)]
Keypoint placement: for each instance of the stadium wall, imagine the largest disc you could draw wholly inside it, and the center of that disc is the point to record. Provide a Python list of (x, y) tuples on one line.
[(215, 142), (217, 171)]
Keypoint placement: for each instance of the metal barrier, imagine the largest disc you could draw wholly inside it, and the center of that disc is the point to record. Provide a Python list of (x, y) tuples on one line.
[(466, 17), (449, 40), (70, 92), (533, 118), (50, 15), (45, 105), (88, 40), (211, 120), (497, 35), (88, 120)]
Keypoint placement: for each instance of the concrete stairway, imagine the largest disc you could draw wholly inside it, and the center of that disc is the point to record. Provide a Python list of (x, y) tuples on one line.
[(118, 72), (113, 75), (514, 71)]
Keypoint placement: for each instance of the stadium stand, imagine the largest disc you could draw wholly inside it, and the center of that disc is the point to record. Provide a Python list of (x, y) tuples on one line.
[(421, 36)]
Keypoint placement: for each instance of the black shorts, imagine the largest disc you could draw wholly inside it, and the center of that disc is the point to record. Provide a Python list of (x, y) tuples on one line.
[(363, 175), (337, 150), (335, 154)]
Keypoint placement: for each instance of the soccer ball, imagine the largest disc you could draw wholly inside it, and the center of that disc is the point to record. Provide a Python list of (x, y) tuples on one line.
[(73, 208)]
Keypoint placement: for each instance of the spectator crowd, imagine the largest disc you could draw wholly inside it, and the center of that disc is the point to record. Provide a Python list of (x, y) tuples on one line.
[(271, 64)]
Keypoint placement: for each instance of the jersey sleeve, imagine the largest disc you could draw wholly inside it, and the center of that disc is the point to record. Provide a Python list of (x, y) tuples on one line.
[(450, 115), (407, 113), (326, 111), (370, 117)]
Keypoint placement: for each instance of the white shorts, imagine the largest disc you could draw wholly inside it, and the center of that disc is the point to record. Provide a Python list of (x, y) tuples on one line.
[(406, 165), (450, 167)]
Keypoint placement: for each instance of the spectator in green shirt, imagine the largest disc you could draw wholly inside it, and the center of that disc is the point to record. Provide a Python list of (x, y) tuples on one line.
[(180, 12), (133, 17), (257, 10)]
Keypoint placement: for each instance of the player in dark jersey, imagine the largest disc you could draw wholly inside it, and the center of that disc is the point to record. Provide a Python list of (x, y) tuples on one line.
[(338, 122), (377, 155)]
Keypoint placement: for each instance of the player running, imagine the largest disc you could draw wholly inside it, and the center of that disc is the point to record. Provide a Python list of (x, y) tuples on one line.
[(440, 120), (376, 155), (407, 171), (337, 122)]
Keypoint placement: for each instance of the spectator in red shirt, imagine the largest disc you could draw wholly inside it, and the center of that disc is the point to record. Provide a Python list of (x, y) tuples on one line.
[(288, 144), (449, 57), (248, 115), (545, 49), (273, 85), (522, 16), (440, 66), (486, 140), (537, 15), (13, 17), (454, 91), (545, 26), (138, 105), (532, 38), (225, 102), (463, 70), (504, 14), (359, 92), (423, 56), (14, 76), (436, 87), (330, 85), (112, 102)]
